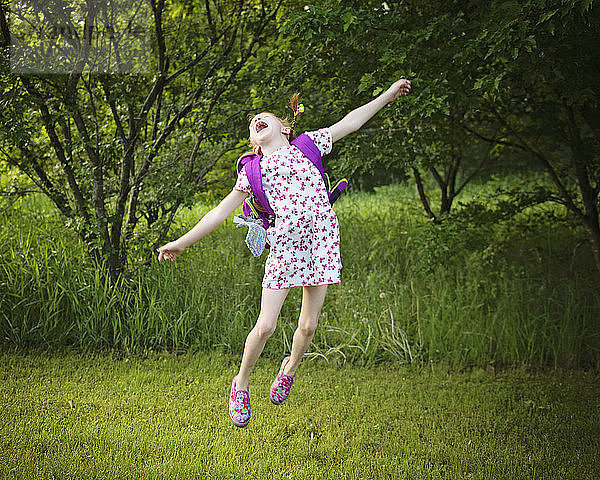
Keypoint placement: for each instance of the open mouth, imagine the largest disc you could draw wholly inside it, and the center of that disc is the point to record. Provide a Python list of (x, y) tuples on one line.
[(260, 125)]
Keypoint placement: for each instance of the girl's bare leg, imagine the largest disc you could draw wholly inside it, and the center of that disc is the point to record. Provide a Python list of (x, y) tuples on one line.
[(270, 306), (312, 301)]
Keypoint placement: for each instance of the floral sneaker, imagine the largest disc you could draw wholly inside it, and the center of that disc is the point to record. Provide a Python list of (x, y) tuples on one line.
[(239, 406), (282, 385)]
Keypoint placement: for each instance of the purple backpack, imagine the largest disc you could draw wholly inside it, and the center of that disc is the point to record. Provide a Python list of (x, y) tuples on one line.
[(257, 204)]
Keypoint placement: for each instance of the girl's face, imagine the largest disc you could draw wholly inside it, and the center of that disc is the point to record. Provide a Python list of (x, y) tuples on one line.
[(263, 127)]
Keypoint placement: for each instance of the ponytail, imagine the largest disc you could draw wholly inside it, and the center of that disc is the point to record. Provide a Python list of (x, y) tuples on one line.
[(297, 109)]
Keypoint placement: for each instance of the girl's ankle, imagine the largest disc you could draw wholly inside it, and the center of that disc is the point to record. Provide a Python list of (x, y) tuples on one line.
[(290, 373), (241, 385)]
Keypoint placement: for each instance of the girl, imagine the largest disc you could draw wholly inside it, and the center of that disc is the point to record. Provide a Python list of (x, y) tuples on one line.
[(304, 240)]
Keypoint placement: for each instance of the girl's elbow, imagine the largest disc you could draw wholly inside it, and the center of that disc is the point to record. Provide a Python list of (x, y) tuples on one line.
[(340, 131), (351, 127)]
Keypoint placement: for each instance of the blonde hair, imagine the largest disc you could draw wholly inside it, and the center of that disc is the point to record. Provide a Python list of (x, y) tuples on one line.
[(284, 121)]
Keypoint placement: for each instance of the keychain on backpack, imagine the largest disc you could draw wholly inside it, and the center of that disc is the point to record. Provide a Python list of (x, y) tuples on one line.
[(256, 237)]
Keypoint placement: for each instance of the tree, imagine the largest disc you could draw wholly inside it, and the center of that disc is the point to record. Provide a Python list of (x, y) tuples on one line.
[(539, 70), (111, 146)]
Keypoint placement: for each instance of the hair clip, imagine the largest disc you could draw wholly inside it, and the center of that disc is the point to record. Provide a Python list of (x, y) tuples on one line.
[(300, 109)]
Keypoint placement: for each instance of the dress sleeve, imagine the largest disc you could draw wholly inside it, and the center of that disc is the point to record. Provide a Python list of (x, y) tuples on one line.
[(242, 182), (322, 139)]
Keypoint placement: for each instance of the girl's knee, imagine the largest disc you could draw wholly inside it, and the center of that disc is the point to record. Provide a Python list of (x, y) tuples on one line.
[(266, 326), (308, 327)]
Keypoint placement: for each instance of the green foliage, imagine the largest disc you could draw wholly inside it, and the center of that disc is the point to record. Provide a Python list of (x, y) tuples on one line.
[(488, 87)]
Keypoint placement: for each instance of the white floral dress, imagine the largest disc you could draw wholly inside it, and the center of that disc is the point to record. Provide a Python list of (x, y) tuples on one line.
[(305, 241)]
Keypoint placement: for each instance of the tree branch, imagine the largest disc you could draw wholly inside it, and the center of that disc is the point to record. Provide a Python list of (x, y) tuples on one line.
[(580, 159), (115, 113), (489, 139), (88, 87), (5, 42), (477, 169), (157, 10), (58, 149), (213, 32), (42, 180), (83, 54), (543, 160)]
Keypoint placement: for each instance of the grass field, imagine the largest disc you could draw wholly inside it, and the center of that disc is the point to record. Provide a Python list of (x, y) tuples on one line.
[(66, 415)]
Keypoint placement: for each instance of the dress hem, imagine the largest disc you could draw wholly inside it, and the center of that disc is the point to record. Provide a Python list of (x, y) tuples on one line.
[(303, 285)]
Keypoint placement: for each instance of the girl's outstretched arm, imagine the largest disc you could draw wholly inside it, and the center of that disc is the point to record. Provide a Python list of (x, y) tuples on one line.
[(207, 224), (358, 117)]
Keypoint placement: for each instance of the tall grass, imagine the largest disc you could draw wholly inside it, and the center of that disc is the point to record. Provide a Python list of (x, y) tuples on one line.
[(513, 293)]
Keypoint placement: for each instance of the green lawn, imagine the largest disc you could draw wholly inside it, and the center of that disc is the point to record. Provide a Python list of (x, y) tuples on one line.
[(76, 416)]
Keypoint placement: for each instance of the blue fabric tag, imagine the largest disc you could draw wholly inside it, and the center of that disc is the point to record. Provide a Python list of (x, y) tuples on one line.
[(256, 238)]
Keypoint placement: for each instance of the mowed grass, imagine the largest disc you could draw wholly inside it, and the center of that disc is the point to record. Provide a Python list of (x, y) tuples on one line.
[(67, 415)]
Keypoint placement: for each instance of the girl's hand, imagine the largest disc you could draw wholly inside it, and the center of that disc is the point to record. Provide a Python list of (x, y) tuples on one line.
[(170, 251), (399, 88)]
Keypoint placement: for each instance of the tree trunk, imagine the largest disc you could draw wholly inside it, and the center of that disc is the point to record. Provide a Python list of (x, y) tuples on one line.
[(582, 158), (593, 228), (422, 195)]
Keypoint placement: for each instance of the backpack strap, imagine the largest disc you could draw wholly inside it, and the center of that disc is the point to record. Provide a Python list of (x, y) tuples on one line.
[(310, 151), (244, 159), (252, 169), (258, 203)]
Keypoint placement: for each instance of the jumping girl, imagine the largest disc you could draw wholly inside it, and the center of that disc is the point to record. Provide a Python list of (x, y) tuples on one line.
[(304, 241)]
